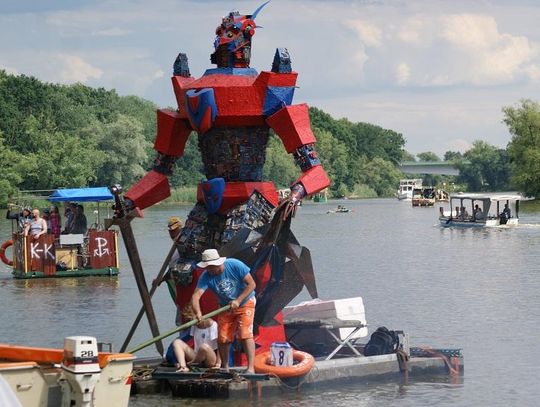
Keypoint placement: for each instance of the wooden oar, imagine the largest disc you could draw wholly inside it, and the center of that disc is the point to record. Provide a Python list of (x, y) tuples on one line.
[(178, 329), (152, 291)]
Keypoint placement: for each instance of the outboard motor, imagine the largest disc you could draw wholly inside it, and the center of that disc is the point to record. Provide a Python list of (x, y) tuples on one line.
[(81, 370)]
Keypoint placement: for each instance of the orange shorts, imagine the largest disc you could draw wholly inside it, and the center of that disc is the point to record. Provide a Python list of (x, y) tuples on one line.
[(239, 320)]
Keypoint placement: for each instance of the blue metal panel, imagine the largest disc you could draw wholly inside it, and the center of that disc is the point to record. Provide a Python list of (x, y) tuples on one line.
[(277, 97)]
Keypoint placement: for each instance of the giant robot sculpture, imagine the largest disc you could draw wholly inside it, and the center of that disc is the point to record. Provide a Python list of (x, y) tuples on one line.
[(232, 109)]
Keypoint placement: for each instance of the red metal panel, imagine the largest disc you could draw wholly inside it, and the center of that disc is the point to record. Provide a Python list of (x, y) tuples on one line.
[(267, 78), (152, 188), (180, 86), (172, 133), (292, 126), (314, 180), (102, 249)]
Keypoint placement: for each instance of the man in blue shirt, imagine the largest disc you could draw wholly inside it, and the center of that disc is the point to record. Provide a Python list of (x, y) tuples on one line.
[(233, 284)]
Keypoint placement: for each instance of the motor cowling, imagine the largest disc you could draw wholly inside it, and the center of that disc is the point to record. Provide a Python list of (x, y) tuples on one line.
[(81, 369)]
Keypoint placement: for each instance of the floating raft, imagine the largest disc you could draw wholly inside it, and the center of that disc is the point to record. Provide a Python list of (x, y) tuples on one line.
[(446, 364)]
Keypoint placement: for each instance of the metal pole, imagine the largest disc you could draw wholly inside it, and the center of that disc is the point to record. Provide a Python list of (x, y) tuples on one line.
[(138, 272), (178, 329), (152, 291)]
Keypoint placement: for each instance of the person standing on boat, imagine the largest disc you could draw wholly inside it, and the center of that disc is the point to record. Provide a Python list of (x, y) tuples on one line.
[(507, 212), (231, 281), (55, 221), (37, 226), (22, 217)]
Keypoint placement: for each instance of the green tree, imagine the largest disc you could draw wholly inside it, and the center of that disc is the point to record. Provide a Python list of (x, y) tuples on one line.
[(487, 169), (334, 159), (428, 156), (523, 123), (452, 156), (125, 147), (279, 166), (380, 175)]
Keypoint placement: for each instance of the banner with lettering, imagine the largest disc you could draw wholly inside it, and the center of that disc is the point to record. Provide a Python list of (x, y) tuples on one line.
[(102, 249), (41, 254)]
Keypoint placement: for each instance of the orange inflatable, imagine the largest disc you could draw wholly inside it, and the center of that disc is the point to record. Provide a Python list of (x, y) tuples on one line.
[(304, 362), (3, 248)]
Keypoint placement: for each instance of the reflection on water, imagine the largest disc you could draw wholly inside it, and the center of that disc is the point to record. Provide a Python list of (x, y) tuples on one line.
[(475, 289)]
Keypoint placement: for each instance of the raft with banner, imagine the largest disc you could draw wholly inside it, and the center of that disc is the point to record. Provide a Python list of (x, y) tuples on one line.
[(92, 253)]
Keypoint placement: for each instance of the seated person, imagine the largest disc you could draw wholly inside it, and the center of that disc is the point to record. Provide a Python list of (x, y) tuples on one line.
[(478, 214), (205, 352)]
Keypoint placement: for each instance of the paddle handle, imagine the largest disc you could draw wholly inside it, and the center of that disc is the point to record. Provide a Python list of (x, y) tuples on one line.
[(178, 329)]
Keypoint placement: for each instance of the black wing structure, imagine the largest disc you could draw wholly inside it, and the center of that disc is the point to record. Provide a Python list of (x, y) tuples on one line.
[(273, 247)]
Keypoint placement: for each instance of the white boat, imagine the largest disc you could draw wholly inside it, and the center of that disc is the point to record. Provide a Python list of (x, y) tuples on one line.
[(77, 375), (481, 210), (406, 187)]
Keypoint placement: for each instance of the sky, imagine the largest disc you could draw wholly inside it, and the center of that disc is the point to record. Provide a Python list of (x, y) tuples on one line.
[(438, 72)]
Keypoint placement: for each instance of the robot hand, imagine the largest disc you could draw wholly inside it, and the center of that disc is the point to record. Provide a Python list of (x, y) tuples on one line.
[(287, 208), (122, 206)]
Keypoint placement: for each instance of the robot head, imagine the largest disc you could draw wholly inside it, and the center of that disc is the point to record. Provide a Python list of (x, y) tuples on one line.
[(233, 40)]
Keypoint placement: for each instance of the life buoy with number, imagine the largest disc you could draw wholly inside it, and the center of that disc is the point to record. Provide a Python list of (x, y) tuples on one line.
[(3, 248), (303, 363)]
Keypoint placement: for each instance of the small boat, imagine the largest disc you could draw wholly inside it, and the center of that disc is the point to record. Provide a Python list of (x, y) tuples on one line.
[(481, 210), (406, 186), (423, 196), (77, 375), (92, 253), (340, 209)]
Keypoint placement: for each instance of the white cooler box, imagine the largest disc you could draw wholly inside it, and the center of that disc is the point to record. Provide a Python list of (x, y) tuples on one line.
[(344, 309)]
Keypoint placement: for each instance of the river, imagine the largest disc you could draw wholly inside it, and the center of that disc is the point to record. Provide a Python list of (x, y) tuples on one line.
[(478, 290)]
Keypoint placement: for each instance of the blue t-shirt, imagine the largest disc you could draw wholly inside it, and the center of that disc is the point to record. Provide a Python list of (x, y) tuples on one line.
[(229, 284)]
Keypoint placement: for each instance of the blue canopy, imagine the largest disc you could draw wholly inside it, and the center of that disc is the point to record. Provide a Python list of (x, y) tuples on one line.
[(81, 194)]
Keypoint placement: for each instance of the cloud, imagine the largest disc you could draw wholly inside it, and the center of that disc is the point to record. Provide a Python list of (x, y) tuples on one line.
[(112, 32), (368, 33), (491, 56), (75, 69), (403, 74)]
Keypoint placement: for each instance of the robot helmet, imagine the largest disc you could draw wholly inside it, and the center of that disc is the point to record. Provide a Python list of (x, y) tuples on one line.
[(233, 40)]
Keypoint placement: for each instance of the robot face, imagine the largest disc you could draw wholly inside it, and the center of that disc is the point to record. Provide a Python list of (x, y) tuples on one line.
[(233, 39)]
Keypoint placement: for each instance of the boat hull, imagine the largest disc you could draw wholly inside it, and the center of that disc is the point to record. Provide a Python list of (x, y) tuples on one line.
[(106, 272), (35, 377), (449, 222)]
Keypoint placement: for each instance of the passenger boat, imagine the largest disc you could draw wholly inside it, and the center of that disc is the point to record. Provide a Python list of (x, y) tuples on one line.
[(423, 196), (481, 210), (406, 186), (77, 375), (93, 253)]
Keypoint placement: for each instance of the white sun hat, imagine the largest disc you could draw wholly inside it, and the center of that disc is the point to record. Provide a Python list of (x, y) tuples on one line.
[(210, 257)]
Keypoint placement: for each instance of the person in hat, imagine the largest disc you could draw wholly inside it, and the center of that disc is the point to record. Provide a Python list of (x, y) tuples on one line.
[(231, 281), (22, 217)]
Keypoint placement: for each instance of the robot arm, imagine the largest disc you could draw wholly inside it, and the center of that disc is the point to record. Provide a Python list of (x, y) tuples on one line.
[(292, 125), (172, 134)]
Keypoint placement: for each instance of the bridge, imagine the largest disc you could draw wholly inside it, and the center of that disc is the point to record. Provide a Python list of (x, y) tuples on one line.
[(429, 167)]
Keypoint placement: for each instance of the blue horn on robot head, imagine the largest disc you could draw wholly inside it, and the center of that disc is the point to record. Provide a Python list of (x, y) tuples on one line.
[(254, 15)]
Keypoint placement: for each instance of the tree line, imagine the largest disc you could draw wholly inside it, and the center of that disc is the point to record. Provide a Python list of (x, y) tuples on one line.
[(54, 136)]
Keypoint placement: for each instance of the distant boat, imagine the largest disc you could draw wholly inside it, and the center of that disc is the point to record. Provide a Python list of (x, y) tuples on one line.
[(482, 210), (406, 186), (340, 209)]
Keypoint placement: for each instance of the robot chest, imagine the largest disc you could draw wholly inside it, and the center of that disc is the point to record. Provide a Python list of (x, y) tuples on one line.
[(229, 106)]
